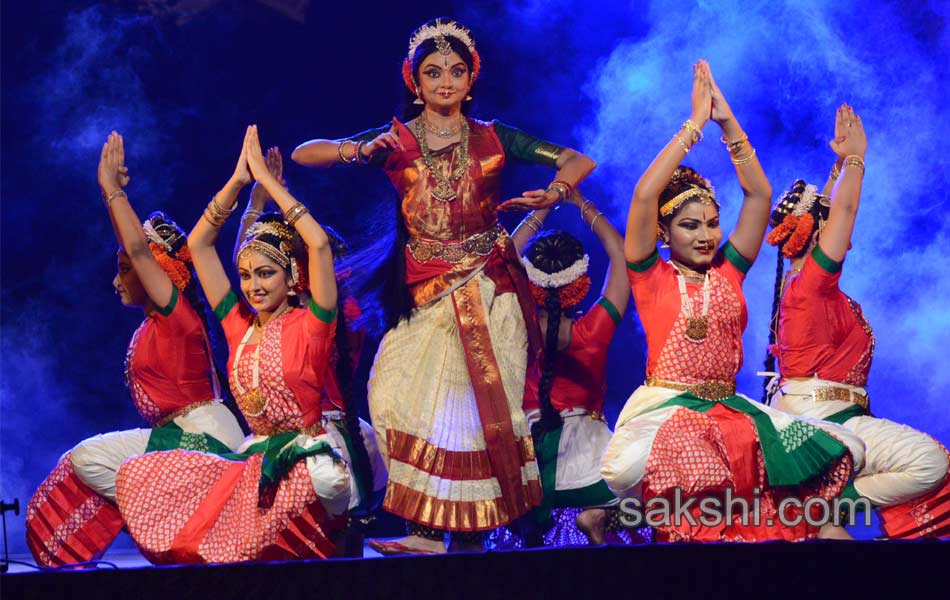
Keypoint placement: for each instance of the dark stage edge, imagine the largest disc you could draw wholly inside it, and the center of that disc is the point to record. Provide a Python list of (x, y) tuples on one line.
[(904, 570)]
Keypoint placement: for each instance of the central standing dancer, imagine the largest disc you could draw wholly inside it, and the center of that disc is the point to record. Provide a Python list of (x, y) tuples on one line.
[(447, 383)]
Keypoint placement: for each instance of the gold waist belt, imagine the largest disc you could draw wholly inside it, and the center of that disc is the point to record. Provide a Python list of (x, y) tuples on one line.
[(480, 244), (182, 412), (844, 395), (707, 390)]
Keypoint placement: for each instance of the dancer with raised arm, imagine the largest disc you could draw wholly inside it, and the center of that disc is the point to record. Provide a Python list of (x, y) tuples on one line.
[(824, 346), (457, 304), (170, 374), (686, 434), (286, 495), (564, 394)]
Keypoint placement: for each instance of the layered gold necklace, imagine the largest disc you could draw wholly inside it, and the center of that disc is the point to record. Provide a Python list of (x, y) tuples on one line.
[(444, 190)]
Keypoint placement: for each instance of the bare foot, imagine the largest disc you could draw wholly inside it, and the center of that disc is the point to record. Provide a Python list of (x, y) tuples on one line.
[(592, 523), (833, 532), (411, 544)]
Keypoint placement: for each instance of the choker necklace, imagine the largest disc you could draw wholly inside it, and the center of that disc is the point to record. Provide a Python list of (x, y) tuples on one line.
[(697, 328), (444, 186), (447, 133)]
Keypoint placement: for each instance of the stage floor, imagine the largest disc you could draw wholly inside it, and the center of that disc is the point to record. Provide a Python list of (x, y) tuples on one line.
[(861, 569)]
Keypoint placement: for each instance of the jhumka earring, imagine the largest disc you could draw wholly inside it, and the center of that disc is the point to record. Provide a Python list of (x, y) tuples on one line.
[(418, 99)]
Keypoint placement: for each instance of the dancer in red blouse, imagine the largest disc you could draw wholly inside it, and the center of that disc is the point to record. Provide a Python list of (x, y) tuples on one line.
[(824, 346), (286, 495), (686, 433), (169, 372), (564, 393)]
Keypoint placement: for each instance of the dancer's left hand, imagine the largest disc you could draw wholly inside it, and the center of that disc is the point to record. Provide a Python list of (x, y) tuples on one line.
[(721, 112), (255, 157), (531, 200)]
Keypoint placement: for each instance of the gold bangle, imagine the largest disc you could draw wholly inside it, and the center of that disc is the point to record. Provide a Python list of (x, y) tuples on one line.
[(343, 159), (835, 172), (744, 159), (295, 213), (681, 143), (215, 221), (113, 195), (735, 144), (691, 126), (854, 160)]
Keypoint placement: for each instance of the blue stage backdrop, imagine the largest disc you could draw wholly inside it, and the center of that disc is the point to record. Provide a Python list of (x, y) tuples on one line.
[(180, 80)]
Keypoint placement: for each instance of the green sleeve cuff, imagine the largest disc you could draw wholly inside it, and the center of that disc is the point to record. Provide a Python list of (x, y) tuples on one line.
[(225, 306), (167, 311), (738, 261), (525, 147), (824, 262), (640, 267), (611, 310), (321, 313)]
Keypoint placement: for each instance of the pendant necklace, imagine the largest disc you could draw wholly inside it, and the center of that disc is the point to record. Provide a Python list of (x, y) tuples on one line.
[(697, 328)]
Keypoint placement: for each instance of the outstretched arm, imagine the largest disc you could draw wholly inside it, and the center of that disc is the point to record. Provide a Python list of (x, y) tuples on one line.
[(572, 168), (640, 240), (214, 280), (128, 228), (754, 217), (322, 276), (835, 238), (616, 286), (326, 153)]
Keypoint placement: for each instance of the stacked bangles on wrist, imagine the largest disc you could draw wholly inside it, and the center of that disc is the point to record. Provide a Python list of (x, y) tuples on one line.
[(590, 205), (835, 172), (216, 214), (294, 213), (853, 160), (357, 152), (250, 215), (563, 189), (533, 222), (740, 150)]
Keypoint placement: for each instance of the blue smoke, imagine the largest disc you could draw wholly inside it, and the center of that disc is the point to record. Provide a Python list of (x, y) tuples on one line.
[(784, 68)]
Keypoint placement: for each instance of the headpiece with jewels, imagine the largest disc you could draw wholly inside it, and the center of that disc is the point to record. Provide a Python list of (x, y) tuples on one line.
[(439, 30), (167, 242), (280, 250), (793, 218)]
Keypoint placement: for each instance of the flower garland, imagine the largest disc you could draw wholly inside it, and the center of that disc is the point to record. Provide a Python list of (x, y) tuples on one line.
[(175, 267), (559, 278), (569, 296)]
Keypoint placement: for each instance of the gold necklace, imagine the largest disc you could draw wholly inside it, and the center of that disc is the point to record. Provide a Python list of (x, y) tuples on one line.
[(445, 186), (442, 133)]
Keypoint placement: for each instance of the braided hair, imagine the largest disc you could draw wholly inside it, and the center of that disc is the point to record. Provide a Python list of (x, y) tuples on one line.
[(796, 216), (362, 466), (551, 252), (177, 239)]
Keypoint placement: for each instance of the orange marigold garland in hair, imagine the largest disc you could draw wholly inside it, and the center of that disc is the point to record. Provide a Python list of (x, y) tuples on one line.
[(782, 231), (799, 238), (176, 269)]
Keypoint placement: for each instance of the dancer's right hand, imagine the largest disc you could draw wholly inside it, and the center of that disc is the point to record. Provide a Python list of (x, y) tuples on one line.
[(850, 138), (113, 174), (242, 175), (701, 97), (388, 140)]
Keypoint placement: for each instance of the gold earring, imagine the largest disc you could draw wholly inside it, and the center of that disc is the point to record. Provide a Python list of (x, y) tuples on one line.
[(418, 99), (468, 98)]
